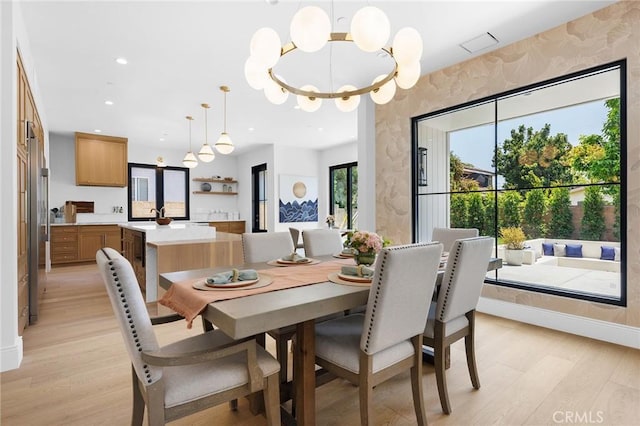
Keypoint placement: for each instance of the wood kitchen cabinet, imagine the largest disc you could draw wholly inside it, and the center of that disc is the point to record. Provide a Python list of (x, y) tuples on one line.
[(64, 244), (101, 160), (92, 238), (230, 226), (133, 249)]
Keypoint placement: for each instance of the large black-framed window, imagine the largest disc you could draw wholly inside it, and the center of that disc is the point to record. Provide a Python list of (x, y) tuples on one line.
[(152, 189), (548, 158), (343, 195)]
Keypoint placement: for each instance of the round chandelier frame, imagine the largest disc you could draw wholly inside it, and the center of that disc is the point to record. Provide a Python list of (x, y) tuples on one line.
[(289, 47)]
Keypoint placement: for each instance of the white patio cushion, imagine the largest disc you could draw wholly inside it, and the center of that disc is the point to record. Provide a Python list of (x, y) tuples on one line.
[(338, 341)]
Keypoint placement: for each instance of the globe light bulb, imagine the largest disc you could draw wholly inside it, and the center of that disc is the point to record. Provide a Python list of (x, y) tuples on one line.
[(385, 93), (276, 94), (350, 103), (370, 29), (310, 29), (265, 47), (407, 46), (306, 103), (255, 73), (408, 75)]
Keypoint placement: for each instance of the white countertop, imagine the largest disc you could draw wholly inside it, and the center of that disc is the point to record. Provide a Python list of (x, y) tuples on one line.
[(173, 232)]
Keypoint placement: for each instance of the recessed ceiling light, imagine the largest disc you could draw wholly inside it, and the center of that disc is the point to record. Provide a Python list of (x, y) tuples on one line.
[(251, 129), (271, 1), (296, 106), (161, 139), (320, 129), (122, 61), (97, 130), (108, 102)]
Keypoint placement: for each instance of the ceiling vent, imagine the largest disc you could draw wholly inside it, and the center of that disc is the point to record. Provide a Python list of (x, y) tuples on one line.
[(481, 42)]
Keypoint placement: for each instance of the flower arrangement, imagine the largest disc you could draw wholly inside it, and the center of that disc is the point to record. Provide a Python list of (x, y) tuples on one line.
[(365, 242), (331, 220)]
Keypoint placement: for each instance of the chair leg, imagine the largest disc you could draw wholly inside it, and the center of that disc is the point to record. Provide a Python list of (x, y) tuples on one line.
[(282, 354), (233, 405), (137, 415), (272, 400), (470, 349), (365, 389), (416, 383), (439, 357)]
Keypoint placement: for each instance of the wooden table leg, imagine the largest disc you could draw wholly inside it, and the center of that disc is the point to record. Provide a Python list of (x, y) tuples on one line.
[(304, 373)]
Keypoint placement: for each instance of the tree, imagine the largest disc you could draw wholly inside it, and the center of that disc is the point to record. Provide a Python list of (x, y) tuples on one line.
[(561, 218), (475, 212), (458, 213), (533, 213), (592, 226), (533, 158), (456, 174), (489, 216), (509, 209)]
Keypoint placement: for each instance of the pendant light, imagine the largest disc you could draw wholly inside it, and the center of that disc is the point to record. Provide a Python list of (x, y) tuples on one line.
[(189, 160), (224, 144), (206, 153)]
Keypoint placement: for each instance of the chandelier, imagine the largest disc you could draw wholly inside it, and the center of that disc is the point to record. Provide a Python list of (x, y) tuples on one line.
[(310, 30)]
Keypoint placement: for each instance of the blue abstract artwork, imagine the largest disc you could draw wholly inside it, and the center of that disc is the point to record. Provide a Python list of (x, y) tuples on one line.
[(298, 199)]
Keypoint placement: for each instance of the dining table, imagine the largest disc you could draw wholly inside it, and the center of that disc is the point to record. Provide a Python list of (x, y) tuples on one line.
[(247, 313)]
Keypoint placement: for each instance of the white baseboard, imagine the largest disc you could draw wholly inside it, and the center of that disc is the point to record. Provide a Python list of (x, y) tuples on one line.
[(596, 329), (11, 356)]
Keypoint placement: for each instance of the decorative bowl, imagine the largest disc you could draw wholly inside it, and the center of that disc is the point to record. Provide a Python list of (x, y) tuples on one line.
[(163, 220), (205, 186)]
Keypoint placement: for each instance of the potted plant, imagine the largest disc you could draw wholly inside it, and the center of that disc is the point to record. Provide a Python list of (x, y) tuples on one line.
[(365, 245), (513, 239), (160, 217)]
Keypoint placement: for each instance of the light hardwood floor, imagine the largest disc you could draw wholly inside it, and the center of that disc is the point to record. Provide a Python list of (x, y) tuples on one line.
[(76, 372)]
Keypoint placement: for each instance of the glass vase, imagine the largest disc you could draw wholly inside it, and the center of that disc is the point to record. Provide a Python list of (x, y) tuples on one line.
[(365, 258)]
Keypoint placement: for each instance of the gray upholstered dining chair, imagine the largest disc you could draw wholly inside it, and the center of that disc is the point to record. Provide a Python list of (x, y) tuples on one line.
[(321, 242), (387, 340), (265, 246), (262, 247), (295, 237), (452, 317), (447, 236), (189, 375)]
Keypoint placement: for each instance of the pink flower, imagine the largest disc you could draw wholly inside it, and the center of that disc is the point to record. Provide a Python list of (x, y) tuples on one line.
[(364, 241)]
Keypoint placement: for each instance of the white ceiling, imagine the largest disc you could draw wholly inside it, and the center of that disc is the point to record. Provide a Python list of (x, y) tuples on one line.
[(179, 54)]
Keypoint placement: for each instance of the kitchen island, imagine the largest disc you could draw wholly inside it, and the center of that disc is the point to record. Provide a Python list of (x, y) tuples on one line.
[(154, 249)]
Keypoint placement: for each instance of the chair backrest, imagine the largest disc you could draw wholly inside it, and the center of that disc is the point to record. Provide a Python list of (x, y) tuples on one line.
[(265, 246), (321, 242), (447, 236), (401, 290), (295, 236), (130, 311), (463, 278)]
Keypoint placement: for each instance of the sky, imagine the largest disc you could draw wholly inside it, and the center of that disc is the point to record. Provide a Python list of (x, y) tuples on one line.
[(475, 145)]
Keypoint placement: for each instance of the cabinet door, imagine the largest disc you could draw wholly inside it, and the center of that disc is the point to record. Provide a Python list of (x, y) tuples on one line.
[(237, 227), (92, 238), (101, 160)]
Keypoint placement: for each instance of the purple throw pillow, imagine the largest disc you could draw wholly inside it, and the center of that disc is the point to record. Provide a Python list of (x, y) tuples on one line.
[(573, 250), (547, 249), (607, 253)]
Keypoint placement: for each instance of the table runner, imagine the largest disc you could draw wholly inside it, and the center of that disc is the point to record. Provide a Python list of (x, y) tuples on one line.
[(189, 302)]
